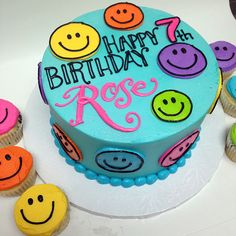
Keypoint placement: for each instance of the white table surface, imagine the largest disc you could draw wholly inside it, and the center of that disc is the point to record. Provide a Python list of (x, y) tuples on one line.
[(25, 27)]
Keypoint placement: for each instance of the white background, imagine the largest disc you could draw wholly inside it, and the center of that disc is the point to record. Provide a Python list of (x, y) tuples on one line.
[(25, 27)]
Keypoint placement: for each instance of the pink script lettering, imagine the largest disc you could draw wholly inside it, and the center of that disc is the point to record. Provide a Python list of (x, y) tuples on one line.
[(112, 89)]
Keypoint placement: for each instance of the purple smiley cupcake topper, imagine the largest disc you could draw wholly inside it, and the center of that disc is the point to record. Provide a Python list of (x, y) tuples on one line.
[(225, 54)]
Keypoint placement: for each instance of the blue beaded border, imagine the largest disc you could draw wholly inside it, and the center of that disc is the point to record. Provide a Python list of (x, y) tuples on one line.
[(125, 182)]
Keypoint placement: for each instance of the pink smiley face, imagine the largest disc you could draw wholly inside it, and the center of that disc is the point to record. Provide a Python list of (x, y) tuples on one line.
[(9, 115), (172, 155)]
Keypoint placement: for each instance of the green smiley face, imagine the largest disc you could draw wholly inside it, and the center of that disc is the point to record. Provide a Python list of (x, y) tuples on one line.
[(172, 106)]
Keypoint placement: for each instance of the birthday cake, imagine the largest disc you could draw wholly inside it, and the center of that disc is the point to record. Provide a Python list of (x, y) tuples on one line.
[(128, 88)]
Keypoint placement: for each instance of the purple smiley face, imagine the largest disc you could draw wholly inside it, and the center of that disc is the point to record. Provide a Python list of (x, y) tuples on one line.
[(225, 54), (182, 60)]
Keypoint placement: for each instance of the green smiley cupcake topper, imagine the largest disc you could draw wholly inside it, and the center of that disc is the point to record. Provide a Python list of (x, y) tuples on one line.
[(233, 134), (172, 106)]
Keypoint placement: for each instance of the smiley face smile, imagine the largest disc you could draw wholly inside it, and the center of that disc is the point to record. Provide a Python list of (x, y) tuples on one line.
[(117, 167), (16, 173), (5, 117), (187, 67), (41, 222), (75, 50), (227, 59), (175, 114), (124, 22), (119, 161)]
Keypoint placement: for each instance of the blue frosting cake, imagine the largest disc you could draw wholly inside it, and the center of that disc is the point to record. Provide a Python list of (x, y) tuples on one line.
[(128, 88)]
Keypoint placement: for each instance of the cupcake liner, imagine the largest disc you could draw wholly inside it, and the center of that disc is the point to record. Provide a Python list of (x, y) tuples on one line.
[(227, 74), (228, 103), (64, 223), (13, 136), (19, 189)]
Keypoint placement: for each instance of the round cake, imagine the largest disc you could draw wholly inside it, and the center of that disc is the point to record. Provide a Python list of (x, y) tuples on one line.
[(128, 88)]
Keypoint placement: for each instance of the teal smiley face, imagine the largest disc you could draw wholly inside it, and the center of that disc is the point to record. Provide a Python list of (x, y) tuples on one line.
[(172, 106)]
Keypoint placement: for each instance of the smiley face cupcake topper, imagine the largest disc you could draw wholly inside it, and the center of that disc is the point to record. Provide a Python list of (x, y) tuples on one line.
[(41, 210), (225, 54), (123, 16), (74, 40), (16, 170)]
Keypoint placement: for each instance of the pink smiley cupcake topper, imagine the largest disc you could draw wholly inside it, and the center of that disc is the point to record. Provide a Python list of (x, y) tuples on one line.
[(10, 124)]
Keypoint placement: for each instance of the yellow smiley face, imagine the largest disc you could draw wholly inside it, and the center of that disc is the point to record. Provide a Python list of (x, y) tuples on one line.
[(41, 210), (74, 40)]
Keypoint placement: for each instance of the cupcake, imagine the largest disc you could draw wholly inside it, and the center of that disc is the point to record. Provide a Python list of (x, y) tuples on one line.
[(42, 210), (16, 171), (228, 96), (11, 127), (225, 54), (230, 147)]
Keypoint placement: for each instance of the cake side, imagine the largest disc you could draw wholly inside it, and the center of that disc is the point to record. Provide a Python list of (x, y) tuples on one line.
[(134, 93)]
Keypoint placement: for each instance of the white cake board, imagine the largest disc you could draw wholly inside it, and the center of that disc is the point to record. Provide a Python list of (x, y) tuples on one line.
[(122, 202)]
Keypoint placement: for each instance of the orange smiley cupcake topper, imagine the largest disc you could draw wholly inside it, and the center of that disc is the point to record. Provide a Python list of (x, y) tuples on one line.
[(15, 165), (123, 16)]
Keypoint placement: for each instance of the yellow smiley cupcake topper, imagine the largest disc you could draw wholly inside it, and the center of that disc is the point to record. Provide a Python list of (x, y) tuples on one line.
[(74, 40), (41, 210)]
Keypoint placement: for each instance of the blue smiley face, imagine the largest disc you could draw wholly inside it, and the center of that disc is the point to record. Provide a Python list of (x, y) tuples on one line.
[(120, 161)]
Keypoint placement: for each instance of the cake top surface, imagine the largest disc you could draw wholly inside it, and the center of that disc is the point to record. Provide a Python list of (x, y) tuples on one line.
[(147, 80)]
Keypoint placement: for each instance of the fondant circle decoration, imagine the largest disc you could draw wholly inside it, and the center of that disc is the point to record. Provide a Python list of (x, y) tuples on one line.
[(172, 155), (225, 53), (120, 107), (15, 165), (75, 40), (231, 86), (8, 116), (172, 106), (40, 84), (119, 161), (123, 16), (182, 60), (67, 144), (40, 210)]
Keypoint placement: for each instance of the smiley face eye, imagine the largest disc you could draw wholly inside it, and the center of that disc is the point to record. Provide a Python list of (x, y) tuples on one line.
[(118, 11), (165, 101), (69, 36), (40, 198), (30, 201), (175, 52), (225, 48), (115, 158), (77, 35), (7, 157), (181, 149), (66, 144), (125, 11), (183, 50), (123, 159), (217, 48), (173, 100)]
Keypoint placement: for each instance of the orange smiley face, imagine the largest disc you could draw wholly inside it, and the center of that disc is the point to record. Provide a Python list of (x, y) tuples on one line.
[(15, 165), (123, 16), (67, 144)]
